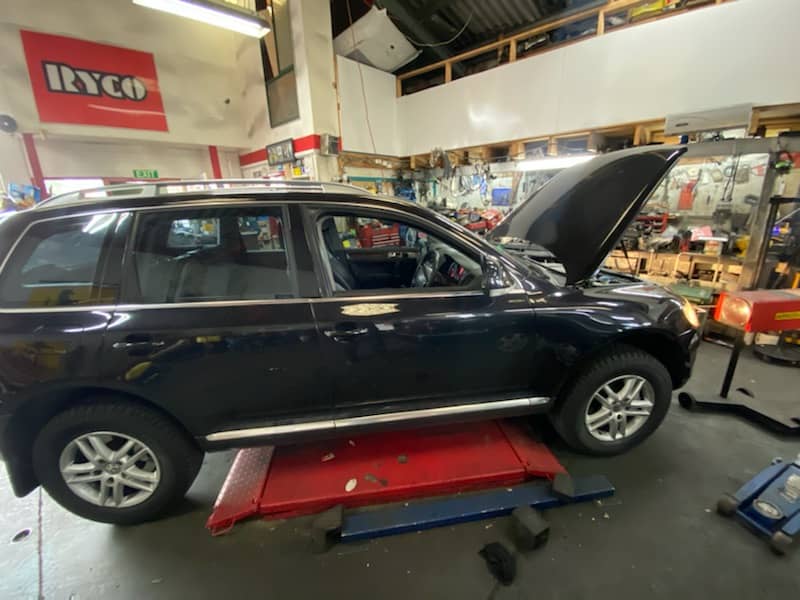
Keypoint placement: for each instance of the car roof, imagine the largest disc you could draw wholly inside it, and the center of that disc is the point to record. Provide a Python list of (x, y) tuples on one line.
[(175, 191), (214, 191)]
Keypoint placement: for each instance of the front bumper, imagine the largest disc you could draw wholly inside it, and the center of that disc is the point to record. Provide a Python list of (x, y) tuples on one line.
[(690, 341)]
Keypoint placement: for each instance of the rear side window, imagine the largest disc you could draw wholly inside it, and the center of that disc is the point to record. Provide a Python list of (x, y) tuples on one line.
[(211, 255), (59, 263), (260, 233)]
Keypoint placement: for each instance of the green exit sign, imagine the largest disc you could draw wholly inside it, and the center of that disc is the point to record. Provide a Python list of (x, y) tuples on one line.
[(145, 173)]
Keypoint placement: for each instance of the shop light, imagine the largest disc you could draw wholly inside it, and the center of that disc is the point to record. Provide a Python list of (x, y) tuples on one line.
[(690, 314), (211, 13), (733, 311), (553, 163)]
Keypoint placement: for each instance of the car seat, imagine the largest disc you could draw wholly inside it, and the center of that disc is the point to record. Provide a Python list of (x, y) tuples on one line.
[(343, 276)]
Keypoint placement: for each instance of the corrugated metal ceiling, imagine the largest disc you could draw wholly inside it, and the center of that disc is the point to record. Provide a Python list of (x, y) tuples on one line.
[(487, 19)]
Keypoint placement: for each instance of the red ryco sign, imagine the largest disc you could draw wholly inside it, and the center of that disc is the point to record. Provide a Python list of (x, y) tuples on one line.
[(75, 81)]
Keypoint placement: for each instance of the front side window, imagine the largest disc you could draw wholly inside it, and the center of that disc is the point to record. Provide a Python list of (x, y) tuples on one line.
[(210, 255), (367, 253), (58, 263)]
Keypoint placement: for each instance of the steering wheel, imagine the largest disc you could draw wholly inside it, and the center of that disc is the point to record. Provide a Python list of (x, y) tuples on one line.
[(426, 269)]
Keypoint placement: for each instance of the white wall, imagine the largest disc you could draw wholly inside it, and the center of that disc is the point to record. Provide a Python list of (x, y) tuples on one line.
[(316, 42), (13, 166), (303, 125), (734, 53), (313, 68), (379, 88), (63, 157), (229, 163), (194, 62)]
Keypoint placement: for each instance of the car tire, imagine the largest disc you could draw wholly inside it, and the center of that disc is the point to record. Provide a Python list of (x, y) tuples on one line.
[(160, 463), (580, 403)]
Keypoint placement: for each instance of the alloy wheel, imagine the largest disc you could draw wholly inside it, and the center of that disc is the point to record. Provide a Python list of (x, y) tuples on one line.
[(619, 408), (110, 469)]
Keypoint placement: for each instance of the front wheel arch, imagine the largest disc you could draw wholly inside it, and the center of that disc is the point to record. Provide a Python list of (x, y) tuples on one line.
[(660, 345), (576, 396)]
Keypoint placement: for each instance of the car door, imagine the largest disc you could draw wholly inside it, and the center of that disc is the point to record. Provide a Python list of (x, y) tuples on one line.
[(55, 302), (411, 347), (212, 326)]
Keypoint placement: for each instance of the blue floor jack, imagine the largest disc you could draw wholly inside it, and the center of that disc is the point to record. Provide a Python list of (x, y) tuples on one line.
[(769, 504)]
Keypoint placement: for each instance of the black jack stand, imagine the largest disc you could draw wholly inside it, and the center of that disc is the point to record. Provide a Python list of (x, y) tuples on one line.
[(742, 402)]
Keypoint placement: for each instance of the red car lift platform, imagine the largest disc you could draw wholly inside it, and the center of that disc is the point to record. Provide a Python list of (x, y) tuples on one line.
[(384, 467)]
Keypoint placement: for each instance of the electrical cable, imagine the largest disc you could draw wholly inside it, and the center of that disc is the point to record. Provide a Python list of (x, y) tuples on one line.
[(730, 183), (450, 41), (361, 78)]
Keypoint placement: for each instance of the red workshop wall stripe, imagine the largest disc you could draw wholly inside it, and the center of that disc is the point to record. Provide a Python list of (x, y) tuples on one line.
[(256, 156), (216, 170), (33, 160), (302, 144), (309, 142)]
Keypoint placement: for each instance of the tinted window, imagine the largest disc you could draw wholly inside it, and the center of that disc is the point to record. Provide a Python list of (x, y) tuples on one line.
[(366, 253), (210, 255), (58, 263), (260, 233)]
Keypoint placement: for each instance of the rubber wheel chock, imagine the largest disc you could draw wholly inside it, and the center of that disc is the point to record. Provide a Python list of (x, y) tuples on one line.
[(529, 528), (325, 528), (564, 486)]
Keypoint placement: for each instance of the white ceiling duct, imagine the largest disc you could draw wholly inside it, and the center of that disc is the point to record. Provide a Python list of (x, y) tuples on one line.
[(374, 40)]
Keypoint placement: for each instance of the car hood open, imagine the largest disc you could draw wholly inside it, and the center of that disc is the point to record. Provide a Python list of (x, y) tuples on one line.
[(581, 213)]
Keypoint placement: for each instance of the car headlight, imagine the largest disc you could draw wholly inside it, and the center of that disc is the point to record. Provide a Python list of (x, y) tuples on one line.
[(691, 314), (733, 311)]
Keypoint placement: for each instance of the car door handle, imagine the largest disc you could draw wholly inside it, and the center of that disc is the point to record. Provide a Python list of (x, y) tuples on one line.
[(138, 345), (344, 335), (130, 345)]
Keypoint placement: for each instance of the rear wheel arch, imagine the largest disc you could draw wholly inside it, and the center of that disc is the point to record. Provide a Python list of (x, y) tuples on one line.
[(35, 412)]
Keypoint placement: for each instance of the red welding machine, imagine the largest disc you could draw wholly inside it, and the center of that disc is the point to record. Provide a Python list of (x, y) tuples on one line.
[(760, 310)]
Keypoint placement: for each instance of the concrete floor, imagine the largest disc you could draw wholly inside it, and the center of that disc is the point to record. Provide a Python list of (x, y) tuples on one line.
[(657, 538)]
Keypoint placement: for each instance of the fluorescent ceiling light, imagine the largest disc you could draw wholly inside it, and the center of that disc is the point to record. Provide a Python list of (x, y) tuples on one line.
[(212, 14), (551, 164)]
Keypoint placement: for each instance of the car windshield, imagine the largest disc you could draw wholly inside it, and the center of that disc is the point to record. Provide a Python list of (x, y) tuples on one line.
[(522, 253), (534, 259)]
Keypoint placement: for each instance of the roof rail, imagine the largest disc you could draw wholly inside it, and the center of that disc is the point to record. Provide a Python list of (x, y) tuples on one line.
[(179, 186)]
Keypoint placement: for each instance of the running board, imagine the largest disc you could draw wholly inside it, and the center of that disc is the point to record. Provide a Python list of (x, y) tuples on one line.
[(489, 409)]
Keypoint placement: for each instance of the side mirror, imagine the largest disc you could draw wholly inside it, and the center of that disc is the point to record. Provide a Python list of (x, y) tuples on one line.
[(495, 276)]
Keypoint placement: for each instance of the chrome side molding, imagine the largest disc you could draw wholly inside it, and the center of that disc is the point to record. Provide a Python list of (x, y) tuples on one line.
[(395, 417), (239, 434)]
